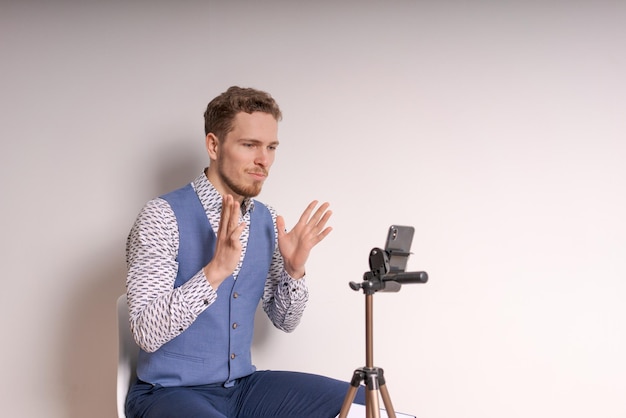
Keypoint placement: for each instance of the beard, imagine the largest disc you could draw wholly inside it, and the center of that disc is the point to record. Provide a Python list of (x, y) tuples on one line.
[(251, 190)]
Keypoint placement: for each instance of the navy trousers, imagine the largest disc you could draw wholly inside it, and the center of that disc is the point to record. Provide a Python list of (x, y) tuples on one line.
[(274, 394)]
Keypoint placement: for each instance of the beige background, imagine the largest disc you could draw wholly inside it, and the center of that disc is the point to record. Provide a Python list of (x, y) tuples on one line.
[(496, 129)]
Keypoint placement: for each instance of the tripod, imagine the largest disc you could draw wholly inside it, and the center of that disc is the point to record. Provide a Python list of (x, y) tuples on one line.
[(373, 377)]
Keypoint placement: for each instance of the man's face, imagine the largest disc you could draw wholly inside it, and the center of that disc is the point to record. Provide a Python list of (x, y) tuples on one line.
[(243, 158)]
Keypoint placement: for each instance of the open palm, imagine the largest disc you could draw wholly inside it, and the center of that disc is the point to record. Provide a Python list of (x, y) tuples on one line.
[(295, 245)]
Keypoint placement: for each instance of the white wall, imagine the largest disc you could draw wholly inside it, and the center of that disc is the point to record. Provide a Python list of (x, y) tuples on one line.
[(496, 129)]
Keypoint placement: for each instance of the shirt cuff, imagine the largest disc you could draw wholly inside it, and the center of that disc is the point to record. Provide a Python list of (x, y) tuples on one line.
[(198, 293), (296, 288)]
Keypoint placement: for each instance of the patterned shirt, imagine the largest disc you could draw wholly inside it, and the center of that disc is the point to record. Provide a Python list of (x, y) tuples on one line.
[(158, 311)]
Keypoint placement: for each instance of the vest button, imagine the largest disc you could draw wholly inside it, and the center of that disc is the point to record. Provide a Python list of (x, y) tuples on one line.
[(235, 325), (232, 356), (235, 295)]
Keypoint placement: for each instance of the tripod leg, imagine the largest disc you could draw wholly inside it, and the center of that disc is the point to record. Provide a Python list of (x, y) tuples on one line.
[(387, 401), (357, 378), (347, 402), (372, 407)]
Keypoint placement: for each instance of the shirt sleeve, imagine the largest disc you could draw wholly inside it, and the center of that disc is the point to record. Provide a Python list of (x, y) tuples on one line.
[(158, 311), (284, 298)]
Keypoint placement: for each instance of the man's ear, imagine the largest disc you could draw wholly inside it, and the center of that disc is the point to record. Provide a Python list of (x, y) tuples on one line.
[(212, 144)]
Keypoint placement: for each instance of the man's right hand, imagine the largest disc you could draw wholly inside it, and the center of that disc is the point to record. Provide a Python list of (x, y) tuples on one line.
[(228, 245)]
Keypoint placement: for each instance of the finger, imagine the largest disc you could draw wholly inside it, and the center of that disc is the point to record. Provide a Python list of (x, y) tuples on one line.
[(239, 230), (304, 218), (230, 217), (319, 226), (324, 233), (234, 214), (222, 229), (321, 216), (280, 226)]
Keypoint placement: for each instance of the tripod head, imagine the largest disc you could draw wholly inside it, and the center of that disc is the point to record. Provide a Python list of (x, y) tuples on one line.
[(380, 278)]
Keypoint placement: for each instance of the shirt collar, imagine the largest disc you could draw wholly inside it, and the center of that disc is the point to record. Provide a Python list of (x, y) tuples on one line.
[(211, 199)]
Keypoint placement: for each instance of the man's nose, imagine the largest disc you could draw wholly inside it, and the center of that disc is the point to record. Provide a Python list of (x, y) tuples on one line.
[(262, 157)]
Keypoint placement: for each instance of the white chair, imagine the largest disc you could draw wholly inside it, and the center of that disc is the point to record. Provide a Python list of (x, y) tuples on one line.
[(127, 356)]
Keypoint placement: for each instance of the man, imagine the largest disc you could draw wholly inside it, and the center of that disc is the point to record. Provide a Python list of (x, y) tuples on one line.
[(199, 261)]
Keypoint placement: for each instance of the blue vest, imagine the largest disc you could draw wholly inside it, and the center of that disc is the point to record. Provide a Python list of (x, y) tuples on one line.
[(216, 347)]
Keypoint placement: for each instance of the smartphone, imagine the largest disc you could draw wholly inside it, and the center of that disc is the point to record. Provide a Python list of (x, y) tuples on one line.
[(398, 246)]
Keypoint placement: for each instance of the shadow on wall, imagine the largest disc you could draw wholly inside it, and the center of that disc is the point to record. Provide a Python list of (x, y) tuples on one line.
[(90, 338), (89, 357), (177, 163)]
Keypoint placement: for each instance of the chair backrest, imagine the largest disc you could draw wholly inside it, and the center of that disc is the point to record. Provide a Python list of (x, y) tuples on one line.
[(127, 355)]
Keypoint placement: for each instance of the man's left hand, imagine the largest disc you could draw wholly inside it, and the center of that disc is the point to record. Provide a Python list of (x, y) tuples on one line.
[(296, 244)]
